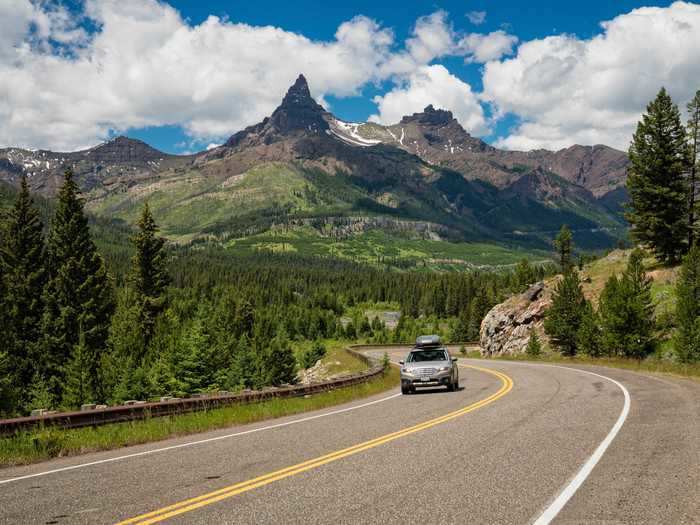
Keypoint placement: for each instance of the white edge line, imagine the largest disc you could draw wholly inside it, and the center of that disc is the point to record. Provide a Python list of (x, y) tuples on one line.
[(570, 489), (199, 442)]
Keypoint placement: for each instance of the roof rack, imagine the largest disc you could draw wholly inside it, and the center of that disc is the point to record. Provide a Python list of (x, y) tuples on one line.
[(425, 341)]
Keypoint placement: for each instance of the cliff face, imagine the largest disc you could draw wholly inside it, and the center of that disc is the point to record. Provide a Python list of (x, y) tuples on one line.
[(507, 326)]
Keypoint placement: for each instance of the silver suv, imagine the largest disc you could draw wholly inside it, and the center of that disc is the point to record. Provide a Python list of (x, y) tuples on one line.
[(429, 364)]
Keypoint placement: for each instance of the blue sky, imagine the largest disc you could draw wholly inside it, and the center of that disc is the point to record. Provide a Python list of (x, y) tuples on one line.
[(184, 75), (319, 20)]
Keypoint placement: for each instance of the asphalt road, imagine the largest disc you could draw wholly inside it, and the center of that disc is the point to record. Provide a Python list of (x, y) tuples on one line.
[(518, 443)]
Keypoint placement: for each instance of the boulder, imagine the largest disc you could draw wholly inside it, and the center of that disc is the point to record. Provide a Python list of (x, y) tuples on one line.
[(506, 327)]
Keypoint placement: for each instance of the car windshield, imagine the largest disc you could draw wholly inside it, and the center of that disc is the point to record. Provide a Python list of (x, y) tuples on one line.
[(437, 354)]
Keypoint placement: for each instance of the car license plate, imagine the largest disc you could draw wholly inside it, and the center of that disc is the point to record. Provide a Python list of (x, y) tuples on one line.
[(425, 379)]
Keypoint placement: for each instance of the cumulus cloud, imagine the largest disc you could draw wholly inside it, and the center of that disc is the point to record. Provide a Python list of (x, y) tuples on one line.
[(476, 17), (146, 66), (568, 90), (65, 87), (483, 48), (432, 84)]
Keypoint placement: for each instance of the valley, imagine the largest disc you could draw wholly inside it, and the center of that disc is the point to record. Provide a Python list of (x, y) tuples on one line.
[(421, 193)]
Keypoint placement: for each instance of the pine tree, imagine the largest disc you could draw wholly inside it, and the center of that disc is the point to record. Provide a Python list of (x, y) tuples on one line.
[(564, 245), (39, 395), (524, 273), (149, 275), (687, 337), (22, 257), (78, 387), (693, 129), (8, 391), (626, 311), (460, 332), (276, 362), (658, 210), (78, 294), (588, 335), (563, 317), (534, 347)]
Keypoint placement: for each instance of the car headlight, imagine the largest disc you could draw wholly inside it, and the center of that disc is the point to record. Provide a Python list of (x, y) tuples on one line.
[(443, 369)]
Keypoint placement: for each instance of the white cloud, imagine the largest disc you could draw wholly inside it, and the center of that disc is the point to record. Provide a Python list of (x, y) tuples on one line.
[(483, 48), (432, 38), (432, 85), (476, 17), (567, 90), (146, 66)]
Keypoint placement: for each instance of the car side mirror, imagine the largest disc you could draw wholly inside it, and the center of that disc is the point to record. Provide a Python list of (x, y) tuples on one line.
[(454, 359), (400, 362)]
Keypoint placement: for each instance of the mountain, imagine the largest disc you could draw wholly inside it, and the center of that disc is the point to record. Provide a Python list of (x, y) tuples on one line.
[(436, 136), (120, 157), (303, 172)]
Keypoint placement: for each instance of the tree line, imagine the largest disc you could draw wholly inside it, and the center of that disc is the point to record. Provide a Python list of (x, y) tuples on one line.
[(663, 214), (623, 324), (151, 319)]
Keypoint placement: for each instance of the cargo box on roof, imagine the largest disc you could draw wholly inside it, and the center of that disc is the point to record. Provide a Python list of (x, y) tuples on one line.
[(427, 340)]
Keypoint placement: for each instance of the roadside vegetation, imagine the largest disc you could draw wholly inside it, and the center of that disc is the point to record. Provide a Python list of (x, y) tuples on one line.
[(30, 447), (646, 316), (98, 313)]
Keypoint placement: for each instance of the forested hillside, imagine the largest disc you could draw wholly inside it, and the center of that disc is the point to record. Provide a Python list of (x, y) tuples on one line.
[(164, 319)]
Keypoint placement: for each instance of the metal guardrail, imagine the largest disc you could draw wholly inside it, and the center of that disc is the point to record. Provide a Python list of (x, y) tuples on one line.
[(123, 413), (134, 412)]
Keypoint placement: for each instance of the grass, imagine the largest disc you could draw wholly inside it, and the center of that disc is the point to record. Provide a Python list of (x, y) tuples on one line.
[(378, 248), (35, 446), (652, 364), (337, 360)]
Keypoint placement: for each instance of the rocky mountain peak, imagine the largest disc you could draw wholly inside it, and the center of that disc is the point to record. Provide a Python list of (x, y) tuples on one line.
[(430, 116), (299, 111), (124, 149)]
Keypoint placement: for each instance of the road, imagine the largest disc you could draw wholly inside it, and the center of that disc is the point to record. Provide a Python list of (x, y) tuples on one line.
[(517, 444)]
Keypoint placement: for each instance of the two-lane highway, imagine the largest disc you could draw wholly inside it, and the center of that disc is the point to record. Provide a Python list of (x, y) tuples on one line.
[(514, 441)]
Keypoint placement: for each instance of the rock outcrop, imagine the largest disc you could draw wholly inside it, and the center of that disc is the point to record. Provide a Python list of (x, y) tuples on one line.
[(507, 326)]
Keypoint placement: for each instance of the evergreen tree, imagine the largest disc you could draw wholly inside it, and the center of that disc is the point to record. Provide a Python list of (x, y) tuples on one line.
[(8, 391), (276, 362), (564, 316), (687, 337), (658, 210), (22, 257), (150, 276), (693, 129), (626, 311), (534, 347), (78, 294), (78, 386), (524, 273), (588, 335), (565, 246), (39, 395), (460, 332)]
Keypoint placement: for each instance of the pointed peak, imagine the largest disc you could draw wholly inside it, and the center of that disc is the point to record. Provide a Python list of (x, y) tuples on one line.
[(301, 82), (298, 93)]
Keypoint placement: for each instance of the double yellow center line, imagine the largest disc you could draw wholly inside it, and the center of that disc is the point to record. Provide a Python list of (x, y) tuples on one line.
[(189, 505)]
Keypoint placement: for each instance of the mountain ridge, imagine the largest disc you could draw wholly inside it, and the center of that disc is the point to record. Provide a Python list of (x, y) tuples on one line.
[(302, 162)]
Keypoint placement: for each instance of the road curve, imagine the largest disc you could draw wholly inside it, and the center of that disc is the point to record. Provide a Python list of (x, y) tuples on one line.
[(501, 450)]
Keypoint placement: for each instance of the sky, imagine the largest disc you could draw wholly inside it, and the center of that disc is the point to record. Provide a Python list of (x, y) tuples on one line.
[(184, 75)]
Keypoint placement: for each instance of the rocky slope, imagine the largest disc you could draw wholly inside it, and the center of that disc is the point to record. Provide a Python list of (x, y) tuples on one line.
[(506, 327), (436, 136), (121, 157)]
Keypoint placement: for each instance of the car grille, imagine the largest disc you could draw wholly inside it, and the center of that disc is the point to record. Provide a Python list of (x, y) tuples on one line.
[(425, 371)]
